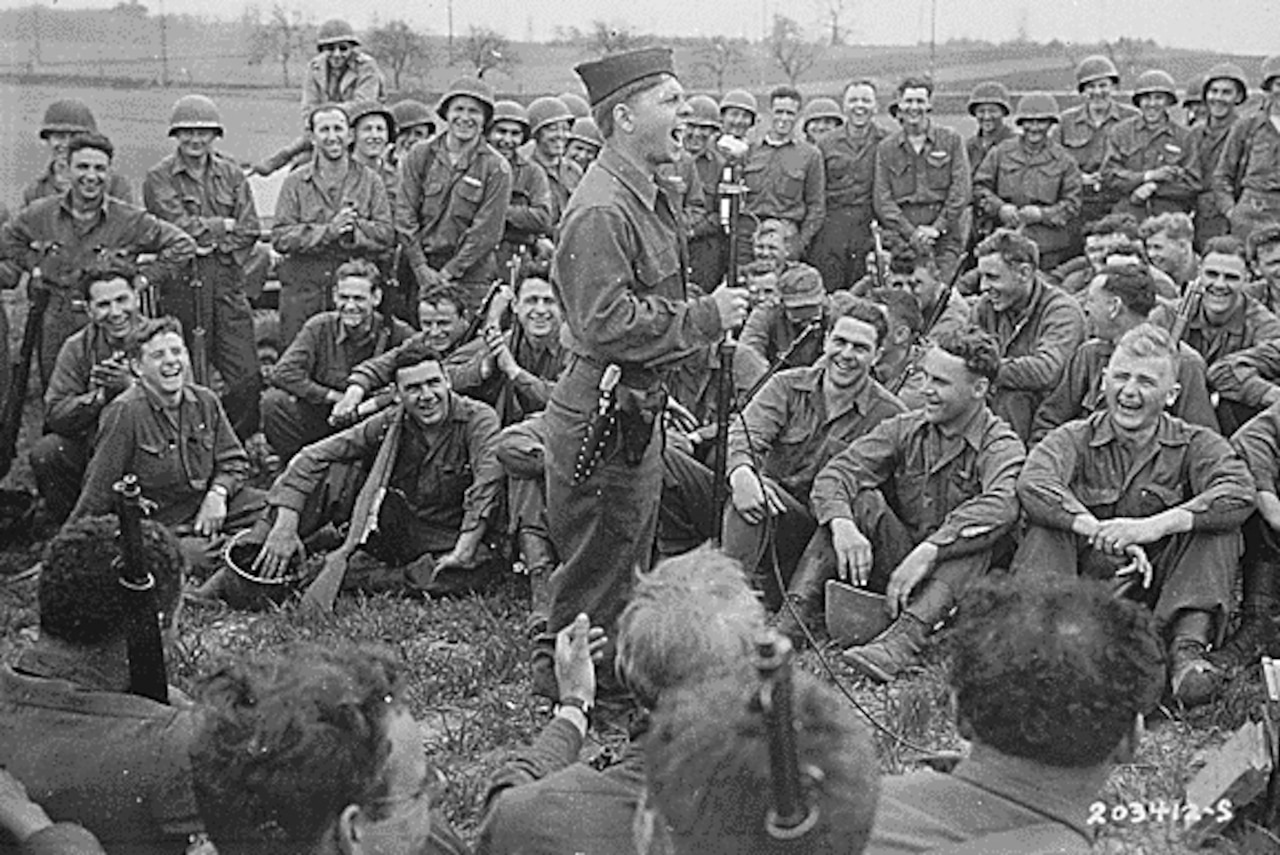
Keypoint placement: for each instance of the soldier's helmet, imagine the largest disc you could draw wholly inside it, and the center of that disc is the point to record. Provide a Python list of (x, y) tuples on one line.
[(361, 109), (576, 104), (585, 131), (742, 99), (336, 31), (68, 116), (472, 87), (990, 92), (1223, 71), (704, 111), (195, 112), (512, 111), (1036, 105), (1270, 71), (547, 109), (1195, 91), (1093, 68), (821, 108), (1155, 80), (411, 113)]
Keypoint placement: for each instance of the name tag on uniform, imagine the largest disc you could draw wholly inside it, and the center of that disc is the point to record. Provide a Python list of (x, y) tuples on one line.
[(472, 180), (938, 158)]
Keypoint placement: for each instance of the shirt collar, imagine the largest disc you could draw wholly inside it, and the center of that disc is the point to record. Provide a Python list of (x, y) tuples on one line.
[(1167, 432), (187, 395), (973, 429), (639, 183), (343, 335), (65, 204)]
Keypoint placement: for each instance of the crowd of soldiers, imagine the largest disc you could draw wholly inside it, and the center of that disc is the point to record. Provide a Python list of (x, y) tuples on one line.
[(955, 367)]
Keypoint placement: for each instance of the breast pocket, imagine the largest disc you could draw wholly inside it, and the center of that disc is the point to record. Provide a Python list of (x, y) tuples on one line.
[(1264, 152), (793, 181), (1042, 184), (469, 192), (1170, 154), (938, 170), (454, 479), (658, 266), (902, 179), (962, 485), (156, 465), (200, 457)]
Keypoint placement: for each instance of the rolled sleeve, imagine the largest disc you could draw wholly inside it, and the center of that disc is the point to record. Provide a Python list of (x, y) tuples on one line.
[(1224, 489)]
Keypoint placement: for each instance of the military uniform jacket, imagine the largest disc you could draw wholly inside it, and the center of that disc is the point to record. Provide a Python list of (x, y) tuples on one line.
[(1250, 159), (451, 210), (710, 166), (786, 433), (1086, 142), (1012, 174), (1209, 141), (529, 214), (361, 80), (977, 146), (618, 273), (936, 177), (1080, 392), (850, 165), (958, 490), (451, 478), (1133, 147), (1083, 466), (71, 408), (305, 208), (117, 227), (199, 205), (177, 454), (323, 353), (563, 177), (1258, 442), (1036, 342), (1248, 325), (785, 181)]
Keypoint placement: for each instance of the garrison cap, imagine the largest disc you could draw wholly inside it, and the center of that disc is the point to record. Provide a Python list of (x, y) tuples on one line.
[(605, 76), (800, 285)]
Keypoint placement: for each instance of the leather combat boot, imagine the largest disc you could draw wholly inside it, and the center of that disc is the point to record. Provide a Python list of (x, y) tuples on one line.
[(1193, 679), (1252, 638), (892, 652), (539, 559)]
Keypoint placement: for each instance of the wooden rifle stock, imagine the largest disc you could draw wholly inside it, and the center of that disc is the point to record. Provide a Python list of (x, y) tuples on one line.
[(733, 189), (199, 331), (32, 335), (1188, 306)]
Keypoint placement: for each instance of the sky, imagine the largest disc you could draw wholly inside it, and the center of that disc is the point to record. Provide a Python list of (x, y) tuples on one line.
[(1245, 26)]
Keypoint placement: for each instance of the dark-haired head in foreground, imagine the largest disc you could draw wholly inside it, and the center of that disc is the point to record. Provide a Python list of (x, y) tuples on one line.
[(1051, 676), (313, 750)]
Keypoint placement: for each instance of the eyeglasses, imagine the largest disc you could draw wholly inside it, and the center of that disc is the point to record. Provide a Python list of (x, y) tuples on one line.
[(339, 47)]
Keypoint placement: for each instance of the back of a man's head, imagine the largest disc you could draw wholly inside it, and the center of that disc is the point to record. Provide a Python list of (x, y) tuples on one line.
[(81, 600), (1053, 669), (691, 618), (709, 772), (288, 741)]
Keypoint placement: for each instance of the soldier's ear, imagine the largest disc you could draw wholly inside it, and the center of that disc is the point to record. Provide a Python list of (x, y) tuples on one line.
[(377, 297), (1171, 397), (981, 387)]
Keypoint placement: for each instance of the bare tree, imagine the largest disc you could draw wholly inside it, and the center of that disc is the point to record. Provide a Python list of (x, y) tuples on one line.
[(399, 49), (281, 37), (608, 38), (789, 49), (488, 50), (834, 20), (718, 55)]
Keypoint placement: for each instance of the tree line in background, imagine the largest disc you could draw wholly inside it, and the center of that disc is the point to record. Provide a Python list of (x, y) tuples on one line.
[(282, 36)]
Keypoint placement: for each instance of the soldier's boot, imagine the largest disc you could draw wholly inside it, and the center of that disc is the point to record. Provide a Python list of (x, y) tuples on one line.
[(1254, 637), (539, 559), (892, 652), (803, 600), (1193, 679)]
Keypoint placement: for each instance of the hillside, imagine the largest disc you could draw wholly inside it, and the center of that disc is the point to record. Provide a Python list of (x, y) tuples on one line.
[(124, 47)]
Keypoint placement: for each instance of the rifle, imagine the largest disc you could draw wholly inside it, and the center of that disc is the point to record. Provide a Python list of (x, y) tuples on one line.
[(791, 816), (146, 650), (482, 313), (1188, 306), (32, 336), (517, 332), (929, 323), (199, 345), (731, 192), (393, 282), (882, 275)]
